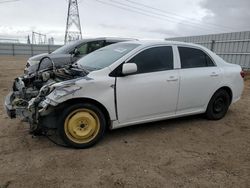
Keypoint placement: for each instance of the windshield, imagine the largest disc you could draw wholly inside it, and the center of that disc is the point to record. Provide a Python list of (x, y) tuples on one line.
[(105, 56), (66, 48)]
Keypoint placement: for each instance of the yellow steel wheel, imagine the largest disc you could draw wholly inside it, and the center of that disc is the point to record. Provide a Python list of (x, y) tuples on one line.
[(82, 125)]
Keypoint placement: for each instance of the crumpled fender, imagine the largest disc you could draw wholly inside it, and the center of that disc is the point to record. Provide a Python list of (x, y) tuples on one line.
[(100, 89)]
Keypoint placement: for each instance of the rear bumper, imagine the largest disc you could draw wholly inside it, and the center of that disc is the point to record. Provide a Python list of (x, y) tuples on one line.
[(8, 107)]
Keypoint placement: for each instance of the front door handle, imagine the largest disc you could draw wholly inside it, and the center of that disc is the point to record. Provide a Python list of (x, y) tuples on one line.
[(214, 74)]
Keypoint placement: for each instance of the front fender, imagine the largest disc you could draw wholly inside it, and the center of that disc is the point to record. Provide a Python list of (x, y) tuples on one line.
[(100, 90)]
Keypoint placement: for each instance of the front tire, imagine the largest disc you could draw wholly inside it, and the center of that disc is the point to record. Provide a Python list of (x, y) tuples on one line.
[(218, 105), (81, 125)]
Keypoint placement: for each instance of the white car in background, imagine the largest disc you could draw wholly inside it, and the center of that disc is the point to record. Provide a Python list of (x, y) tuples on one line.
[(130, 83)]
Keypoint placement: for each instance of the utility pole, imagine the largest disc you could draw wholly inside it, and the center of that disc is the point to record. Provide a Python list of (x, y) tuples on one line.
[(28, 39), (73, 20), (38, 38), (51, 41)]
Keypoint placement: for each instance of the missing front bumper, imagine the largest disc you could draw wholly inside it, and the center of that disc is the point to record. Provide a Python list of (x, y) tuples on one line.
[(11, 112), (38, 117), (15, 111)]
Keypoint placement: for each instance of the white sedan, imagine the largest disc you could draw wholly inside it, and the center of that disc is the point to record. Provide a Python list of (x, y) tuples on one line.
[(136, 82)]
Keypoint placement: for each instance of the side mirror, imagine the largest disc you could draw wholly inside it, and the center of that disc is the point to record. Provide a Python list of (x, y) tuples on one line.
[(129, 68), (76, 52)]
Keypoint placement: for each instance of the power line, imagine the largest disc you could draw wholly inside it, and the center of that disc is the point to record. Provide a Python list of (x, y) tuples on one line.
[(177, 15), (8, 1), (149, 15), (185, 22)]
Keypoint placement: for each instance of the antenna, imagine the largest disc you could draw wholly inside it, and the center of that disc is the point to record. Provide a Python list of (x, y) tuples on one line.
[(73, 27)]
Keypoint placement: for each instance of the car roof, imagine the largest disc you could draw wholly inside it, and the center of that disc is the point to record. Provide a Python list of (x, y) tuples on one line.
[(108, 39), (140, 42), (162, 42)]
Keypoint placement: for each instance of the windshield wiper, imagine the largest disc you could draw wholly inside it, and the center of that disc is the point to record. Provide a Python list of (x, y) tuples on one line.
[(89, 68)]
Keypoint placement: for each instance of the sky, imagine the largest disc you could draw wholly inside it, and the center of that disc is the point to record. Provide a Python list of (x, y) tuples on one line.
[(143, 19)]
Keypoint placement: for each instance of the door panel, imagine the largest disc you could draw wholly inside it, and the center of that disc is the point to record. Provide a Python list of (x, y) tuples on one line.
[(152, 92), (196, 87), (199, 78), (147, 95)]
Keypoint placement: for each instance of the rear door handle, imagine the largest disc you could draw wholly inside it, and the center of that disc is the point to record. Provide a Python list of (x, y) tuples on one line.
[(172, 79)]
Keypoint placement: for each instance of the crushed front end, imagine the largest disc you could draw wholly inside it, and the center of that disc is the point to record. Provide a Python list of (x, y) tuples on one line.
[(27, 100)]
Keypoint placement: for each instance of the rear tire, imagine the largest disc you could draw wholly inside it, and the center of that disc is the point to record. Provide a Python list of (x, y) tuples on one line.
[(81, 125), (218, 105)]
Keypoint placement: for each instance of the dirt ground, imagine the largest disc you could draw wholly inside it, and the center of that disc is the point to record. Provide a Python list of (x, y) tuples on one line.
[(186, 152)]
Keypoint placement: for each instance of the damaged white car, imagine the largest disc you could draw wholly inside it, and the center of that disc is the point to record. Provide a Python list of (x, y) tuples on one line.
[(125, 84)]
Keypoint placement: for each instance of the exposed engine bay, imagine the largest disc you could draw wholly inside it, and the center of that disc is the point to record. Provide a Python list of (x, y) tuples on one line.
[(30, 90), (28, 86)]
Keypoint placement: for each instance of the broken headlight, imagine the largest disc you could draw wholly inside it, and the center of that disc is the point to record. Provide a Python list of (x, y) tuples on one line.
[(46, 90)]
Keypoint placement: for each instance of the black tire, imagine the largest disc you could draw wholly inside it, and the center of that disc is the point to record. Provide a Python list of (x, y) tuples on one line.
[(218, 105), (73, 111)]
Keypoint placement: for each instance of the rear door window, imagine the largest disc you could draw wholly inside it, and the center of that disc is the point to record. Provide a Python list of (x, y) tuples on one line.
[(83, 49), (194, 58), (90, 47)]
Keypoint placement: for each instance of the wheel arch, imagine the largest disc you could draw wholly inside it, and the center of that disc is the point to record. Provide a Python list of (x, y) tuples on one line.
[(91, 101), (228, 90)]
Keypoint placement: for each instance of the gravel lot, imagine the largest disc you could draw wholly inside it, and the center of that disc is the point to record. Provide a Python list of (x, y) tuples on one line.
[(186, 152)]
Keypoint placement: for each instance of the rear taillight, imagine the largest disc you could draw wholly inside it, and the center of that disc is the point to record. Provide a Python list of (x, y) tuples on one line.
[(242, 73)]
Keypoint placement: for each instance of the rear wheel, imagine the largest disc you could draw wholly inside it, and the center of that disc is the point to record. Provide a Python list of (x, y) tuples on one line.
[(218, 105), (81, 125)]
